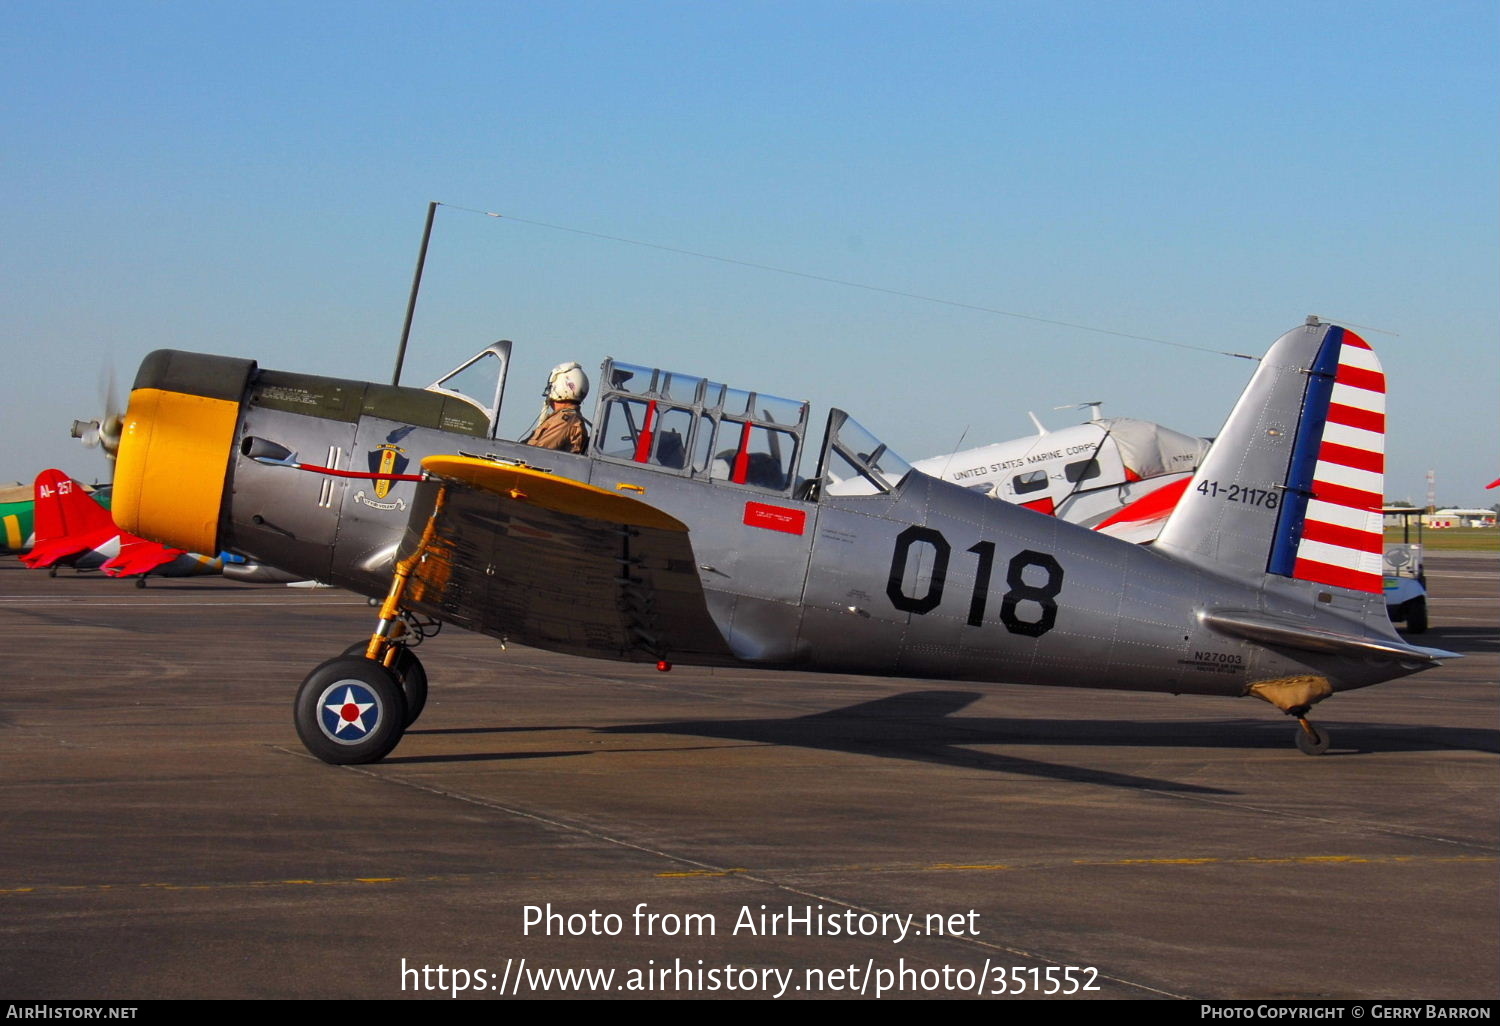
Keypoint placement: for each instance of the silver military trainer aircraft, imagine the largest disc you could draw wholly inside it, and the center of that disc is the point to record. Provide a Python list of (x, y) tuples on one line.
[(688, 533)]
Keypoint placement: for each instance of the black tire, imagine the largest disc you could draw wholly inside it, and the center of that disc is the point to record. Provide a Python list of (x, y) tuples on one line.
[(1416, 615), (140, 582), (350, 710), (1315, 743), (413, 676), (410, 672)]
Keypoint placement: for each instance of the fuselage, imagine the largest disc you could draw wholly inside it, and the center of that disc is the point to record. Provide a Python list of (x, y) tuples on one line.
[(921, 579)]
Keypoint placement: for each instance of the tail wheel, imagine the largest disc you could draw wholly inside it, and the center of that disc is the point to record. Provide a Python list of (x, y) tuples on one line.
[(1312, 740), (411, 674), (350, 710)]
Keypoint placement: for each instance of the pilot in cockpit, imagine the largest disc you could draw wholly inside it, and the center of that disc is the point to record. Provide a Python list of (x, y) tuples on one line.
[(561, 425)]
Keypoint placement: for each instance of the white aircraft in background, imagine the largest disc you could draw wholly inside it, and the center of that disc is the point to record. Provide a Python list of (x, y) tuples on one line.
[(1117, 475)]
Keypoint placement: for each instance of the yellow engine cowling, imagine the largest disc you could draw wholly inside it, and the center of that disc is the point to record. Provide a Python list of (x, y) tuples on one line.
[(176, 447)]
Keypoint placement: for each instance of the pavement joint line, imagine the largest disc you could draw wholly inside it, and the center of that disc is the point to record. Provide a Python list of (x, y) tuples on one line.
[(696, 864), (1304, 860), (758, 876), (1341, 824), (229, 885)]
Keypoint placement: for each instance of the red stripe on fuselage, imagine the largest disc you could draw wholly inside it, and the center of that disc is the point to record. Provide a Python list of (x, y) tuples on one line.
[(1149, 507)]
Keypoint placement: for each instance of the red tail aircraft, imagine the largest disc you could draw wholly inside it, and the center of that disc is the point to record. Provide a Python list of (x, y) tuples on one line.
[(74, 530)]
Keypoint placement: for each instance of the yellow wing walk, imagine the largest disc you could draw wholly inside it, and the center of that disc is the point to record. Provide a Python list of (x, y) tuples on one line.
[(558, 494)]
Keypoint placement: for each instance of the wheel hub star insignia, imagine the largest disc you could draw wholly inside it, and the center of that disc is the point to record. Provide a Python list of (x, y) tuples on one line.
[(350, 713)]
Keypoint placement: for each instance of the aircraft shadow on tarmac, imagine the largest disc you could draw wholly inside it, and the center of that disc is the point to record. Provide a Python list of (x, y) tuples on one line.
[(153, 582), (415, 760), (920, 726), (1463, 640)]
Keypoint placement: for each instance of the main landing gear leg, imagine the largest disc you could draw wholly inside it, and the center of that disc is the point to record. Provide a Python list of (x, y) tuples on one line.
[(403, 662), (355, 707)]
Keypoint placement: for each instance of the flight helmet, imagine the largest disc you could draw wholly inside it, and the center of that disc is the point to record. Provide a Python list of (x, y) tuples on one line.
[(567, 382)]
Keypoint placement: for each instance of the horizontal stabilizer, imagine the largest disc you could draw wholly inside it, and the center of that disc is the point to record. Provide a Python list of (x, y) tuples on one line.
[(1271, 630), (44, 554), (139, 556)]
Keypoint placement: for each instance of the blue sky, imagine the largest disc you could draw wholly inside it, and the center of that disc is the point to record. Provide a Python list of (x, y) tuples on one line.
[(251, 179)]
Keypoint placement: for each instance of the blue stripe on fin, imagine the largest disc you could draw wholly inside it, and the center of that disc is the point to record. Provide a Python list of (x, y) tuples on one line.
[(1304, 461)]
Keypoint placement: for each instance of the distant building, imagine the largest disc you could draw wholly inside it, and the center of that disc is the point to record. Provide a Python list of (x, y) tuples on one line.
[(1459, 518)]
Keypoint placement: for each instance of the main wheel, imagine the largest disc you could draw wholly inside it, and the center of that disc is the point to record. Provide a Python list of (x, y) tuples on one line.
[(411, 674), (350, 710), (1312, 740), (413, 683)]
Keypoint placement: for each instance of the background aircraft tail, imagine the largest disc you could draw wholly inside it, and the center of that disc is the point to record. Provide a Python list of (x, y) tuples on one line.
[(67, 522), (64, 509), (70, 525), (1294, 483)]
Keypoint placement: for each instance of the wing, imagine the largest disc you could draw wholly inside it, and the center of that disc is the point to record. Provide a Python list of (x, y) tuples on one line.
[(547, 561)]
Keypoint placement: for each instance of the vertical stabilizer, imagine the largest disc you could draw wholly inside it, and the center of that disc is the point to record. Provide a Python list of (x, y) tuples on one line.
[(68, 522), (64, 509), (1293, 485)]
